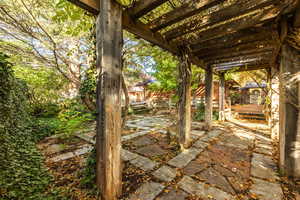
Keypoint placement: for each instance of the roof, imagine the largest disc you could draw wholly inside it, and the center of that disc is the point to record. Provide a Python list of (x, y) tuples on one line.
[(254, 85), (222, 34), (144, 83)]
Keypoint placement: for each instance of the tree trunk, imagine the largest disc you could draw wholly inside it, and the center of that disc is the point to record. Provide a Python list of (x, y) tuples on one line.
[(109, 69)]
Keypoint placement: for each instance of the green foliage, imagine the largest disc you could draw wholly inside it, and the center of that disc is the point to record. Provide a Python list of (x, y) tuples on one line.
[(45, 88), (235, 97), (200, 113), (22, 175), (73, 117), (74, 19), (88, 179), (44, 127)]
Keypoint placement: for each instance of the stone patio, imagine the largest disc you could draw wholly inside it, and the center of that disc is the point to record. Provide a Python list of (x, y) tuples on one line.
[(228, 162)]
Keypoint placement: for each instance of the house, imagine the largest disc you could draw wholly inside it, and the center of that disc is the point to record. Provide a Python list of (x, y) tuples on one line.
[(253, 93)]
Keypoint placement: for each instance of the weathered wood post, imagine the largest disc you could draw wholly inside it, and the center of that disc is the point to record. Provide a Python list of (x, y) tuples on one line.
[(222, 97), (184, 104), (268, 98), (273, 120), (108, 139), (289, 127), (208, 96), (289, 103)]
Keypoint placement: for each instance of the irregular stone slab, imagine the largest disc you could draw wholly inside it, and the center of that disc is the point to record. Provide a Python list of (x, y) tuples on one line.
[(261, 150), (198, 133), (165, 173), (264, 147), (214, 133), (263, 167), (148, 191), (61, 157), (83, 150), (235, 142), (54, 148), (213, 177), (135, 126), (184, 157), (194, 137), (200, 144), (134, 135), (87, 138), (202, 190), (266, 190), (152, 150), (245, 135), (142, 141), (162, 131), (194, 167), (211, 135), (224, 171), (127, 155), (143, 163), (173, 195), (198, 125)]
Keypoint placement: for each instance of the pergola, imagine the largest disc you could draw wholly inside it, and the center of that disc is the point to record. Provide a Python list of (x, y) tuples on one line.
[(217, 35)]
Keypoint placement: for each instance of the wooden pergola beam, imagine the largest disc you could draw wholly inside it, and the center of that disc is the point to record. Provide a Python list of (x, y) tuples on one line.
[(142, 7), (297, 16), (243, 69), (188, 9), (142, 30), (242, 47), (231, 27), (92, 6), (267, 54), (226, 13), (133, 26), (241, 63), (235, 54), (242, 66), (232, 40)]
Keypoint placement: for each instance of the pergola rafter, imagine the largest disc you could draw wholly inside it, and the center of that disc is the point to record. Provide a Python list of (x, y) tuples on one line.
[(226, 13), (140, 8), (239, 37), (188, 9), (226, 25)]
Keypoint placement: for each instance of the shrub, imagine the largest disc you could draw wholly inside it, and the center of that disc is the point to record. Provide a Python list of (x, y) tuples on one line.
[(200, 113), (73, 116), (22, 175)]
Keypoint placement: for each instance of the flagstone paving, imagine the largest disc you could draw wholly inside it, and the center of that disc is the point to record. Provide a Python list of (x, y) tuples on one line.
[(229, 162)]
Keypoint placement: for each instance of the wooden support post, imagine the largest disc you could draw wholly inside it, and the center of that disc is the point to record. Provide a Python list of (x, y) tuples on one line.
[(184, 105), (222, 97), (289, 111), (269, 97), (208, 96), (108, 138), (273, 107)]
